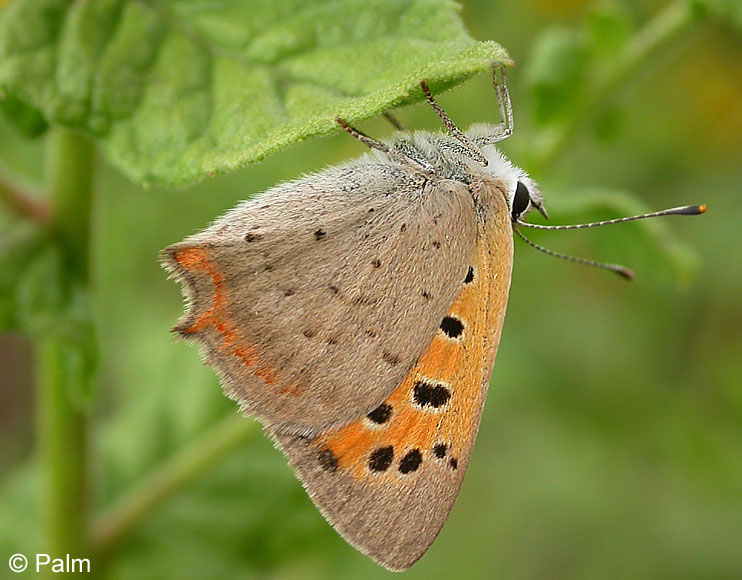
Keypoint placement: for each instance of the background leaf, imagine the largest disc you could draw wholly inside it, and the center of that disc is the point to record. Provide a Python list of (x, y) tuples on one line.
[(558, 74), (730, 10), (27, 120), (177, 90), (20, 244), (609, 28)]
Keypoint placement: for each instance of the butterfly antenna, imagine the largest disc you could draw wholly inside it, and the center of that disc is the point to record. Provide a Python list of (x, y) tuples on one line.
[(620, 270), (683, 210)]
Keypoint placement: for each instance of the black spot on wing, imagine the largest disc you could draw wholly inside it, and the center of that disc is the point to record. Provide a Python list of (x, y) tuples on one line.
[(381, 414), (390, 359), (381, 458), (319, 234), (427, 394), (439, 450), (327, 460), (469, 275), (411, 461), (251, 237), (452, 327)]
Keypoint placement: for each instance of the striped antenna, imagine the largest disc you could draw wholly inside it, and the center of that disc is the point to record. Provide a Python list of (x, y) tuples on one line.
[(620, 270), (683, 210)]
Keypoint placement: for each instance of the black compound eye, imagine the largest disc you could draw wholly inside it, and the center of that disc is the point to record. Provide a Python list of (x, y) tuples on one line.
[(521, 200)]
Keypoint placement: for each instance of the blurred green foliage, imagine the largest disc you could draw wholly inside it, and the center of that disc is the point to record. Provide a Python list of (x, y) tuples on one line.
[(611, 443)]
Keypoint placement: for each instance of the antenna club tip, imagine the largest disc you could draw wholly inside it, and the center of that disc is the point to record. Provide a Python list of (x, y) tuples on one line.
[(625, 273), (691, 209)]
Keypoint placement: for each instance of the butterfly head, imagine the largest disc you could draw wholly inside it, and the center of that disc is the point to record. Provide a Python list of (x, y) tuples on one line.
[(445, 157), (525, 197), (523, 193)]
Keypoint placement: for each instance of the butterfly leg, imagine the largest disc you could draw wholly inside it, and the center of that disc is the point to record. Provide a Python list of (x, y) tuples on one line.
[(505, 128), (394, 121), (473, 150)]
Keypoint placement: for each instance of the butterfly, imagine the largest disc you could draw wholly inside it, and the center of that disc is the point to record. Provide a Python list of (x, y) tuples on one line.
[(356, 313)]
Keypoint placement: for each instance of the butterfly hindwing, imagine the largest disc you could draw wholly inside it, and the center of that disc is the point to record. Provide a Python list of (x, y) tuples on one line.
[(315, 299), (387, 481)]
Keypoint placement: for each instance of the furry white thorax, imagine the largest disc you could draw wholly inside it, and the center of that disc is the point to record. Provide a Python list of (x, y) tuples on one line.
[(449, 159)]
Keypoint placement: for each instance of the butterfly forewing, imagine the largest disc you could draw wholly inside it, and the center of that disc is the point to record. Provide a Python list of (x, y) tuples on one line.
[(387, 481), (314, 300)]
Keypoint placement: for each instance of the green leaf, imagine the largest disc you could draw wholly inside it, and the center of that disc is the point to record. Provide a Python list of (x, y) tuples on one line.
[(730, 10), (610, 123), (51, 303), (40, 298), (610, 27), (18, 246), (175, 90), (27, 120), (42, 292)]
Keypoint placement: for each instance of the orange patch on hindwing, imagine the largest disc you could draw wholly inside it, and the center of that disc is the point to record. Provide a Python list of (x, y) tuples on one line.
[(198, 262), (433, 415)]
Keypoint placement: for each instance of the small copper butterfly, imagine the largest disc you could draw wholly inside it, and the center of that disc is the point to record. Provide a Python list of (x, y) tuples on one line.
[(357, 313)]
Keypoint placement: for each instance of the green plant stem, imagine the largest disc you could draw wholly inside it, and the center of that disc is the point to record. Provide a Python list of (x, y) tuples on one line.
[(184, 466), (60, 425), (61, 445), (69, 170), (663, 28)]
